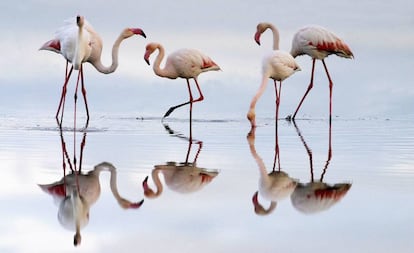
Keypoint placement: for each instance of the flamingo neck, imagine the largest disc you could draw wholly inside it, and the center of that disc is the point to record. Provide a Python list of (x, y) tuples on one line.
[(155, 174), (112, 180), (114, 65), (78, 56), (259, 92), (259, 160), (157, 64), (275, 32)]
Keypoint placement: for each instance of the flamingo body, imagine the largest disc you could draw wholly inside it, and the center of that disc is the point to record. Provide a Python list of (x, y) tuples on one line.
[(181, 178), (188, 63), (279, 65), (316, 197), (74, 41), (318, 43), (183, 63)]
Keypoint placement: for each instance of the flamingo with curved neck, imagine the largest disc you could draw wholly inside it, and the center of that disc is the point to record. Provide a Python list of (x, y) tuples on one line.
[(273, 186), (182, 178), (78, 192), (87, 40), (277, 65), (183, 63)]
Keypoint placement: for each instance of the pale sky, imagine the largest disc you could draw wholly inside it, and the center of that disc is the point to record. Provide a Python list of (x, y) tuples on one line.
[(376, 83)]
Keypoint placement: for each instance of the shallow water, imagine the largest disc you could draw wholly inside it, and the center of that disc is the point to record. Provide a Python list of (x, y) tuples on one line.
[(373, 156)]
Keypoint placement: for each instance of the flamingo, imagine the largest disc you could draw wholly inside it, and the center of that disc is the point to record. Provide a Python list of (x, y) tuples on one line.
[(317, 196), (182, 177), (318, 43), (183, 63), (77, 192), (78, 42), (277, 65), (274, 186)]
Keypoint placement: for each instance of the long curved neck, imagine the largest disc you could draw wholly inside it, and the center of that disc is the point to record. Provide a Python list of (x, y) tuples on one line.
[(259, 92), (259, 160), (113, 178), (115, 50), (77, 59), (155, 174), (275, 36), (157, 63)]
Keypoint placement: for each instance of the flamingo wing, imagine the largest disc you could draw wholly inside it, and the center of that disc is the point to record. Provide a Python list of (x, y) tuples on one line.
[(318, 43)]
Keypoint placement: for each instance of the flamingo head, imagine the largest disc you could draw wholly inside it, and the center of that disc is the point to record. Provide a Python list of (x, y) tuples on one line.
[(126, 204), (80, 20), (259, 209), (149, 49), (251, 116), (77, 239), (128, 32), (261, 27), (148, 192)]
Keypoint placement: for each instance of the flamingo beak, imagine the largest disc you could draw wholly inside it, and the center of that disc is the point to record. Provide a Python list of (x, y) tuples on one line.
[(138, 31), (146, 58), (145, 183), (136, 205), (257, 37)]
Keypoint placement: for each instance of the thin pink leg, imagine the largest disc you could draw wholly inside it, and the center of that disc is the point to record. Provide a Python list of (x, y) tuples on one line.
[(330, 90), (191, 110), (201, 98), (308, 150), (307, 91), (63, 95), (84, 98), (172, 108), (328, 160)]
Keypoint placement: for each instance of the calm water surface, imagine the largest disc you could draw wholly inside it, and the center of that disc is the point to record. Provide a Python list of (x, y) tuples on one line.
[(363, 204)]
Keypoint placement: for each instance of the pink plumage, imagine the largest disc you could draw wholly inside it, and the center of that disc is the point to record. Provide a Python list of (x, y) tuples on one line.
[(184, 63), (318, 43)]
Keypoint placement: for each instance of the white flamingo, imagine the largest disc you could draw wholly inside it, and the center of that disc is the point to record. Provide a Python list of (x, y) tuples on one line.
[(76, 193), (184, 63), (78, 42), (277, 65), (274, 186)]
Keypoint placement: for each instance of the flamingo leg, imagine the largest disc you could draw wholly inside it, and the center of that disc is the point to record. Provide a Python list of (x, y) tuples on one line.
[(84, 98), (308, 150), (201, 98), (330, 90), (325, 168), (172, 108), (277, 153), (191, 111), (63, 95), (81, 151), (74, 116), (307, 91)]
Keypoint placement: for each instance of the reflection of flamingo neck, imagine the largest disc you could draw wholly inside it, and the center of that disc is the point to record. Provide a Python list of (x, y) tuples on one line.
[(79, 206), (259, 209), (113, 184), (156, 179), (259, 160)]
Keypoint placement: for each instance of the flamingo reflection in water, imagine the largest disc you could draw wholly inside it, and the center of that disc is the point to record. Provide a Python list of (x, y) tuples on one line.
[(274, 186), (181, 177), (76, 192), (317, 196)]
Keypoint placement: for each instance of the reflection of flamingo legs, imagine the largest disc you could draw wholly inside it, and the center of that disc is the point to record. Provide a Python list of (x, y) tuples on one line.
[(309, 151), (317, 196), (273, 186), (183, 177)]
